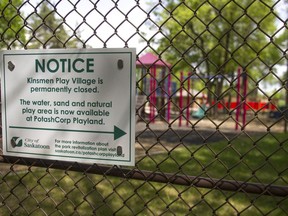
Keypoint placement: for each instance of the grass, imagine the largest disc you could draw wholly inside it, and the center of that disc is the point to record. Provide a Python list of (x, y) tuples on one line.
[(261, 159), (38, 191)]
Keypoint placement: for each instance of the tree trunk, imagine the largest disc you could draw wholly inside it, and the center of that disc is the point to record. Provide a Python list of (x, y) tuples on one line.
[(229, 94), (218, 91)]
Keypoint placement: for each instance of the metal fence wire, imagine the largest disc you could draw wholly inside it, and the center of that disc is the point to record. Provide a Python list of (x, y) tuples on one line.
[(212, 93)]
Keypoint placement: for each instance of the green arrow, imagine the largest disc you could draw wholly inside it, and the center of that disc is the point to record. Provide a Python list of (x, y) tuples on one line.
[(117, 131)]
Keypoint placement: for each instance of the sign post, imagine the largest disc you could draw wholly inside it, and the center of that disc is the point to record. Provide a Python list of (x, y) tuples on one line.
[(72, 105)]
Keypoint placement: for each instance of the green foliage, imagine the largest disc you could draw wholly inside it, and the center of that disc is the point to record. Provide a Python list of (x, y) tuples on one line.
[(215, 37), (48, 29), (218, 36), (12, 32)]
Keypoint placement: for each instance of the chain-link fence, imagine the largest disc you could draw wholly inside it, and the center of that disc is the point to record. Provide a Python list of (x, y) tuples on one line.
[(212, 93)]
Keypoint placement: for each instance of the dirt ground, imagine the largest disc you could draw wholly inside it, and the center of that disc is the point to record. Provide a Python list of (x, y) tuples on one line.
[(159, 137), (163, 137)]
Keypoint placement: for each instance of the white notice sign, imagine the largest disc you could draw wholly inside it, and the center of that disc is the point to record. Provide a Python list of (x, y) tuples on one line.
[(73, 105)]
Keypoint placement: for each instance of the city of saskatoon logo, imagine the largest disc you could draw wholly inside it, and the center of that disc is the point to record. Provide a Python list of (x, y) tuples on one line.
[(16, 142)]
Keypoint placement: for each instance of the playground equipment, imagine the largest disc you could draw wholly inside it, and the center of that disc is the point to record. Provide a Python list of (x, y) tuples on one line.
[(244, 83), (155, 83), (151, 77)]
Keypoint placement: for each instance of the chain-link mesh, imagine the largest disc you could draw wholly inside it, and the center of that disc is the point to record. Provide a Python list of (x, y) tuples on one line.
[(212, 93)]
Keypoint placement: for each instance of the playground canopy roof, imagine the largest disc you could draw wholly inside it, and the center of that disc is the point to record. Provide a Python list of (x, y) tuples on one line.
[(150, 59)]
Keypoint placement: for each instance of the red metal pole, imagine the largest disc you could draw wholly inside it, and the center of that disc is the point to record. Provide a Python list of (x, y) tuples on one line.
[(188, 101), (154, 92), (245, 84), (151, 97), (238, 97), (181, 98), (169, 95)]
